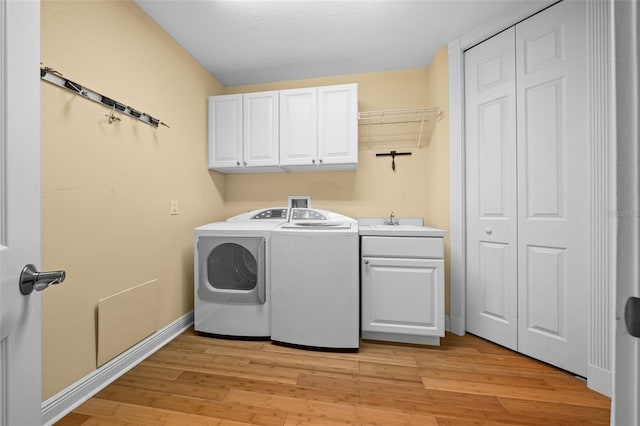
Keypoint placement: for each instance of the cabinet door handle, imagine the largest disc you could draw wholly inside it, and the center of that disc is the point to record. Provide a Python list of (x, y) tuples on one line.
[(366, 262), (489, 231), (237, 163), (321, 161), (313, 161), (244, 163)]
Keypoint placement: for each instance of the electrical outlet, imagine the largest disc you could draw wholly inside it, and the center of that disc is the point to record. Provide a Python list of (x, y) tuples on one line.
[(174, 207)]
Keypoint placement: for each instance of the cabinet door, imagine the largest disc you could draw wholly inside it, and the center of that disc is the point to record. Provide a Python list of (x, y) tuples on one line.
[(338, 124), (298, 127), (225, 131), (260, 129), (404, 296)]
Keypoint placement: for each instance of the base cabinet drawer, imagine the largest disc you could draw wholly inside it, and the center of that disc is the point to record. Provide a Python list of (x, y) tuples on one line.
[(412, 247), (403, 297)]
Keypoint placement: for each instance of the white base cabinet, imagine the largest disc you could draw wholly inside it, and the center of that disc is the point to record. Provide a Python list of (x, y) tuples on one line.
[(402, 282)]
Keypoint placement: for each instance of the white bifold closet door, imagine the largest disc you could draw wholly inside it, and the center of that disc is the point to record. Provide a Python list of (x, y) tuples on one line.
[(527, 175)]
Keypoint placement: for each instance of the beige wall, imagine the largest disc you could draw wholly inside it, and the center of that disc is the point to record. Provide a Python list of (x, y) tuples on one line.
[(437, 185), (106, 188), (418, 188)]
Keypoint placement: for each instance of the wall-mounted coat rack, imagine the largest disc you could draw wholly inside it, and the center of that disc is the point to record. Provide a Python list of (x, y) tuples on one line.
[(54, 77), (426, 117), (393, 155)]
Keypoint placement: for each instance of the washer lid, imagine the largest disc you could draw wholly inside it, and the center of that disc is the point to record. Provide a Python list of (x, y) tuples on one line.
[(312, 225), (313, 218)]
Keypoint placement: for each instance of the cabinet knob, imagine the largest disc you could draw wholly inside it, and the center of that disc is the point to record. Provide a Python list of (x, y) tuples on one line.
[(244, 163), (366, 262), (489, 231), (313, 161), (237, 163), (321, 161)]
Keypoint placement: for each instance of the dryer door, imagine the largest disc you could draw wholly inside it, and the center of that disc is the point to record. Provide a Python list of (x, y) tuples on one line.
[(232, 269)]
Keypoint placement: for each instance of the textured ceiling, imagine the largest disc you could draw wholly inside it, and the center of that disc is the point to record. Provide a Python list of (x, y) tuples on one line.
[(243, 42)]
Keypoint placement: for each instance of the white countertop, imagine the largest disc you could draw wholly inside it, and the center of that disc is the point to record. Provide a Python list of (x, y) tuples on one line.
[(407, 227)]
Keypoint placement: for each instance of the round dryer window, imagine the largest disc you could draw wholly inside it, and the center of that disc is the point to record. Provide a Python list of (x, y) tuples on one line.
[(231, 269)]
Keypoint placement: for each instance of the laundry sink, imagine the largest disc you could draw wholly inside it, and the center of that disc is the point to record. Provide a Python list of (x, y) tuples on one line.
[(408, 230)]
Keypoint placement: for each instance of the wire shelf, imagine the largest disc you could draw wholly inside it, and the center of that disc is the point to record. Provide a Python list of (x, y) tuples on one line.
[(426, 117)]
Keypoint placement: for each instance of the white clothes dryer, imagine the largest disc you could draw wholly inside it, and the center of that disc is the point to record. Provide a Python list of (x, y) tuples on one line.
[(315, 282), (232, 274)]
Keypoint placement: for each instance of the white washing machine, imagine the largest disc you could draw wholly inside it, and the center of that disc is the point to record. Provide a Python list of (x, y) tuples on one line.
[(231, 274), (315, 283)]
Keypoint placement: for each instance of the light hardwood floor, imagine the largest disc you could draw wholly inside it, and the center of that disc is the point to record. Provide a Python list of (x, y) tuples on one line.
[(198, 380)]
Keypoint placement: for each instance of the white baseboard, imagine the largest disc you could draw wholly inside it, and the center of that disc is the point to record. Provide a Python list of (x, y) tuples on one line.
[(65, 401), (456, 326), (600, 380)]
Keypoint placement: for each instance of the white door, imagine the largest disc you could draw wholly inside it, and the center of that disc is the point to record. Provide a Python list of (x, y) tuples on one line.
[(20, 358), (338, 124), (490, 102), (527, 187), (225, 131), (626, 394), (298, 127), (553, 186), (260, 129)]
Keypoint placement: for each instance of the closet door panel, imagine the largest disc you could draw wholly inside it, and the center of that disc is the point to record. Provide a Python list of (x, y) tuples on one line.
[(544, 150), (491, 292), (553, 182)]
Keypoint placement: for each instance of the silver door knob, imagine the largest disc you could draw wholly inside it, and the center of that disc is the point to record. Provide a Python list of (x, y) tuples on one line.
[(31, 279), (489, 231)]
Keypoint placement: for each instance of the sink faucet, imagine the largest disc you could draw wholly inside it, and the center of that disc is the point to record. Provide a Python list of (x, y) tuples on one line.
[(392, 220)]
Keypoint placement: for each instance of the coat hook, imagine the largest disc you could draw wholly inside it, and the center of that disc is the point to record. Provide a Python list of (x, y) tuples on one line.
[(112, 116)]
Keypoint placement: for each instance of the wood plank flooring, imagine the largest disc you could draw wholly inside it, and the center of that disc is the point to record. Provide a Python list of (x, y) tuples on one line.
[(198, 380)]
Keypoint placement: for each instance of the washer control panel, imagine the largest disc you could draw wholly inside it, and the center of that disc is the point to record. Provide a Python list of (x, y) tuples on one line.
[(271, 214)]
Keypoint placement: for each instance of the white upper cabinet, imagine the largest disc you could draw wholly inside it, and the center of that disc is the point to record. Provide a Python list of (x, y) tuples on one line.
[(338, 125), (319, 128), (260, 129), (225, 131), (298, 127), (309, 129), (243, 133)]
